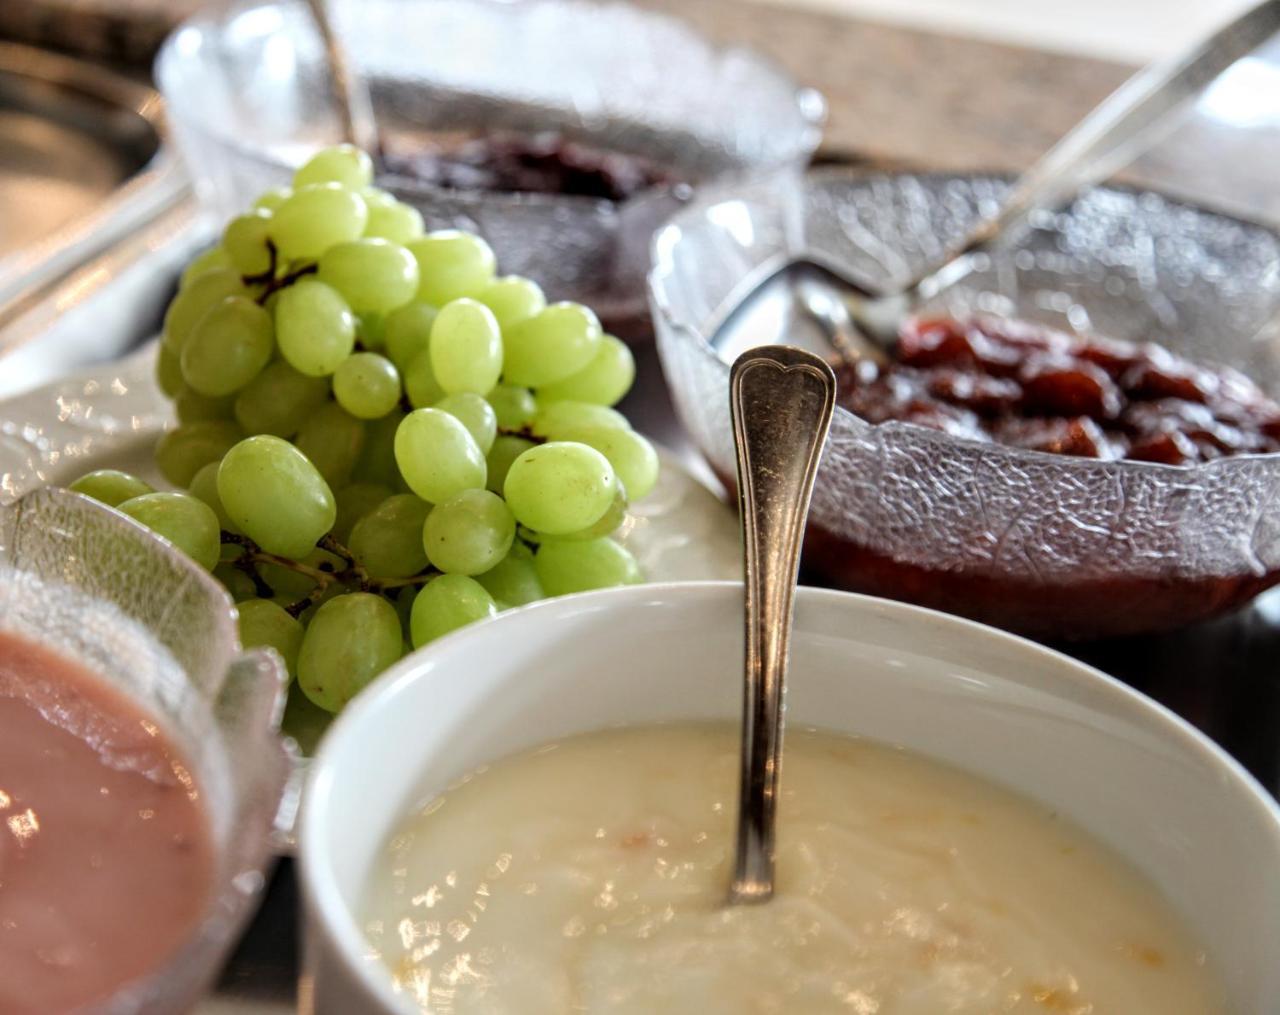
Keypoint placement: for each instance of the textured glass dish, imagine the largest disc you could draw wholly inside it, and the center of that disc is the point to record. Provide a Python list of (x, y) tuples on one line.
[(248, 99), (1041, 543), (96, 586)]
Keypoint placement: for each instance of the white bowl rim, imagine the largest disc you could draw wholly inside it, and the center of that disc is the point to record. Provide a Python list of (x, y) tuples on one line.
[(319, 885)]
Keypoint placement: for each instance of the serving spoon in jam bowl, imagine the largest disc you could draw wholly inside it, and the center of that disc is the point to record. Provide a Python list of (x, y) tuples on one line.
[(860, 323), (781, 402)]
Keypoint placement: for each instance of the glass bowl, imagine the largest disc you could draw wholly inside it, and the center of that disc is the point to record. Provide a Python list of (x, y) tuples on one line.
[(1040, 543), (248, 101), (93, 584)]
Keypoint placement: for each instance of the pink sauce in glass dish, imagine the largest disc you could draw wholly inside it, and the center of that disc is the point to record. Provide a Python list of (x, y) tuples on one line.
[(106, 852)]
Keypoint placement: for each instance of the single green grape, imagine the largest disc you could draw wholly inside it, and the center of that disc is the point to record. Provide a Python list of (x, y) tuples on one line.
[(204, 487), (349, 641), (367, 385), (513, 580), (603, 381), (514, 407), (469, 533), (437, 455), (447, 603), (354, 501), (373, 275), (390, 219), (228, 348), (506, 449), (333, 440), (214, 257), (371, 330), (475, 414), (565, 566), (279, 400), (633, 458), (182, 452), (388, 540), (270, 200), (512, 299), (560, 487), (188, 523), (264, 624), (451, 264), (276, 496), (314, 327), (196, 300), (245, 241), (558, 420), (315, 217), (169, 372), (466, 347), (408, 331), (193, 407), (111, 486), (238, 584), (377, 462), (420, 384), (550, 346), (344, 164)]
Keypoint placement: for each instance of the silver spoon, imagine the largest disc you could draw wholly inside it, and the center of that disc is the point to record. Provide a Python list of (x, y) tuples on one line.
[(350, 90), (860, 323), (781, 401)]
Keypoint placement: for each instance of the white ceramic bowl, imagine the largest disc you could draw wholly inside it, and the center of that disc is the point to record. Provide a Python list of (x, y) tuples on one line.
[(1133, 774)]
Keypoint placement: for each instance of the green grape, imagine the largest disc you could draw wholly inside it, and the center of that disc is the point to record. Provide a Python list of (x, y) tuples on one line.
[(568, 566), (447, 603), (245, 241), (633, 458), (276, 496), (371, 274), (371, 330), (475, 414), (354, 501), (270, 200), (512, 299), (279, 400), (437, 455), (513, 580), (451, 264), (367, 385), (314, 327), (305, 722), (238, 584), (506, 449), (420, 384), (183, 451), (314, 218), (466, 348), (558, 420), (377, 462), (214, 257), (391, 219), (333, 441), (196, 300), (388, 540), (110, 486), (560, 487), (204, 487), (514, 407), (264, 624), (469, 533), (350, 640), (603, 381), (193, 407), (228, 348), (188, 523), (169, 371), (344, 164), (551, 345), (407, 331)]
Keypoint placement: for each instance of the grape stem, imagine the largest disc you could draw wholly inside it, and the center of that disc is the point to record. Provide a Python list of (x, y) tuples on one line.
[(268, 278), (524, 433)]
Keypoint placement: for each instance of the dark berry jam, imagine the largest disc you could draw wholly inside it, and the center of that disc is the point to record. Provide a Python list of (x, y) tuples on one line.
[(1028, 386), (544, 163)]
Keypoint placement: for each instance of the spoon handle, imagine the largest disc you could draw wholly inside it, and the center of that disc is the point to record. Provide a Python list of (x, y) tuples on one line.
[(781, 400), (349, 88)]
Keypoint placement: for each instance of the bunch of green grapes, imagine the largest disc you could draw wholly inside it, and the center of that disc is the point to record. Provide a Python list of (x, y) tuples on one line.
[(381, 440)]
